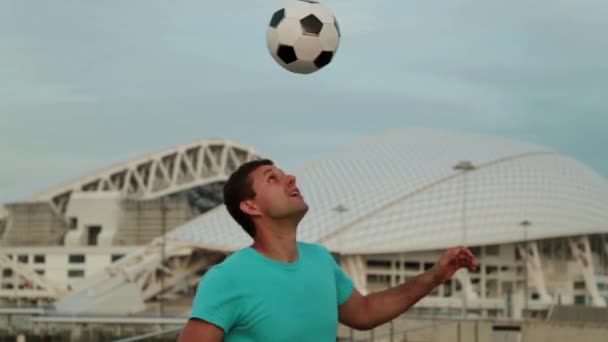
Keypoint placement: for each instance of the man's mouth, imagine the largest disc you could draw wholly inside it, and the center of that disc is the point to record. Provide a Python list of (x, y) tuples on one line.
[(295, 193)]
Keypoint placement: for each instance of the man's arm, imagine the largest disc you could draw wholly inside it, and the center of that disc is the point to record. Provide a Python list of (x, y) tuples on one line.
[(197, 330), (367, 312)]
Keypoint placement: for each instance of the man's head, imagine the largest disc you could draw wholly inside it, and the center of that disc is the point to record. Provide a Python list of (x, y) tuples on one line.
[(259, 191)]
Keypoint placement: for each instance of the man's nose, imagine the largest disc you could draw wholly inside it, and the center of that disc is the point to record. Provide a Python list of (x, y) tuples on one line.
[(291, 180)]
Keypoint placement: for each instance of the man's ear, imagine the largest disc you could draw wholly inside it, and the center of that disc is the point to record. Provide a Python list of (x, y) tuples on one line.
[(249, 208)]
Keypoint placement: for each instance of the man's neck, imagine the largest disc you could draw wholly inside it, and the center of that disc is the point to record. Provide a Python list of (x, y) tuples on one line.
[(277, 242)]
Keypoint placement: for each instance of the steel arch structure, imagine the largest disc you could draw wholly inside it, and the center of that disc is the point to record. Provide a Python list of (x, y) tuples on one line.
[(180, 168), (158, 174)]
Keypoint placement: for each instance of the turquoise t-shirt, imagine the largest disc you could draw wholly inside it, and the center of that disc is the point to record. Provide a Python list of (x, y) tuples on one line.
[(255, 298)]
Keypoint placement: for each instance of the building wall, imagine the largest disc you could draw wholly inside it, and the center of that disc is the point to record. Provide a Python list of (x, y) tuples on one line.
[(119, 221), (145, 220), (93, 210), (32, 224), (2, 227), (500, 281), (61, 265)]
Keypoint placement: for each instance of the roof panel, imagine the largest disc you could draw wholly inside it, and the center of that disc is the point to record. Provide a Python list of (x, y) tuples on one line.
[(401, 193)]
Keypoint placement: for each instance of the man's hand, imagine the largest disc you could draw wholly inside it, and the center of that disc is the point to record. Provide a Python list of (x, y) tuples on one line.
[(367, 312), (451, 261)]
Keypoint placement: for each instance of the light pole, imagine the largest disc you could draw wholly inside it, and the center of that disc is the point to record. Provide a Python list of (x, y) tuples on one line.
[(465, 166), (525, 224), (340, 209), (163, 223)]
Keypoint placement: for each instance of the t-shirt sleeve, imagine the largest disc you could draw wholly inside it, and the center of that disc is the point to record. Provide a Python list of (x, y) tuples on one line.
[(216, 300), (344, 284)]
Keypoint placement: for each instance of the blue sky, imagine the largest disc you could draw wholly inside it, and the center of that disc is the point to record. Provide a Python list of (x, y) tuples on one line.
[(88, 84)]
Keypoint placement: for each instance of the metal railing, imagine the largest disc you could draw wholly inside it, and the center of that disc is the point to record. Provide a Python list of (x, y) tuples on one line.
[(149, 335), (392, 335)]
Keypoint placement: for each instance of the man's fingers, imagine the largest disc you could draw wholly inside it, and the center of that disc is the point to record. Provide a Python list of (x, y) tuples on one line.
[(466, 260), (469, 253), (464, 256), (461, 257)]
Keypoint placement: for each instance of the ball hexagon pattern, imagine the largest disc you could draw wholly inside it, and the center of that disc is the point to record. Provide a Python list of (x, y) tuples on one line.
[(303, 37)]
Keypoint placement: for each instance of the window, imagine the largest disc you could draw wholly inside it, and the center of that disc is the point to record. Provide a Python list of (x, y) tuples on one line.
[(378, 278), (379, 263), (492, 250), (116, 257), (40, 272), (73, 223), (24, 258), (39, 259), (545, 247), (579, 300), (76, 259), (447, 290), (579, 285), (92, 234), (75, 273), (491, 284), (7, 272), (411, 265)]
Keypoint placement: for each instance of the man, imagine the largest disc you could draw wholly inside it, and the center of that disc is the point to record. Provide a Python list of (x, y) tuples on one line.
[(279, 289)]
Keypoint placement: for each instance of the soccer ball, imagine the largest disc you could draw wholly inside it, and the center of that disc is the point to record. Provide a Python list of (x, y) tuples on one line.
[(303, 37)]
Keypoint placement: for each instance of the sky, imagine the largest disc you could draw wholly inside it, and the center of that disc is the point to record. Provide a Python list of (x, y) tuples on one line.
[(87, 84)]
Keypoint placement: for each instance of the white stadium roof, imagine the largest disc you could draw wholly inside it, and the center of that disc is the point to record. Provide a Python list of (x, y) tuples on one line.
[(399, 192)]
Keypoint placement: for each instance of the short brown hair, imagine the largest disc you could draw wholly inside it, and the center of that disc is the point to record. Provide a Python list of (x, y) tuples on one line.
[(238, 188)]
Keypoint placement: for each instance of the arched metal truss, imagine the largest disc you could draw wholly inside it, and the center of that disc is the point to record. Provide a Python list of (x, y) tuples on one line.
[(159, 174)]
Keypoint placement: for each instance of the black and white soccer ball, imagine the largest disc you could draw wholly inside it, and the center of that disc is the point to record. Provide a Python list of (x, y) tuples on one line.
[(303, 37)]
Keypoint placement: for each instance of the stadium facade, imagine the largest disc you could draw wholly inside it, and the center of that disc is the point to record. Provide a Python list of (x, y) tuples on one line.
[(124, 238)]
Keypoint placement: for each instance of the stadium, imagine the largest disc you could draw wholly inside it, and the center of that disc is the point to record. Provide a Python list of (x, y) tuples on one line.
[(136, 238)]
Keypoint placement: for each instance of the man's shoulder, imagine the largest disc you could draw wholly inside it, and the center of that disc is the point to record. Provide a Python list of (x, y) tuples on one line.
[(237, 256), (231, 264), (315, 248)]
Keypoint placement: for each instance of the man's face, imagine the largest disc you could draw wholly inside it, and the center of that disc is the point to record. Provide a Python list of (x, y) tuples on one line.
[(277, 195)]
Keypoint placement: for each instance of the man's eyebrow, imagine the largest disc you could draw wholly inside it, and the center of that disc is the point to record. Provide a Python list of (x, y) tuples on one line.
[(266, 171)]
